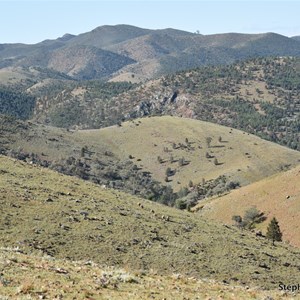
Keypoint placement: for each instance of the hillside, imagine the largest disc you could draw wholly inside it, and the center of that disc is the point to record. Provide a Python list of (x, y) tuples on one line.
[(20, 105), (31, 276), (277, 196), (241, 158), (45, 213), (80, 62), (123, 51), (255, 96), (259, 96), (158, 158), (67, 152)]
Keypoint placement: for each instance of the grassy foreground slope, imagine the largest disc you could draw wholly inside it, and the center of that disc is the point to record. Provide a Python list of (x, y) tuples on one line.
[(277, 196), (241, 157), (44, 212), (47, 278)]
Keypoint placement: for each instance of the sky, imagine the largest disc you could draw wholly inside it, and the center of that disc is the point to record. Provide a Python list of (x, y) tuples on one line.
[(30, 22)]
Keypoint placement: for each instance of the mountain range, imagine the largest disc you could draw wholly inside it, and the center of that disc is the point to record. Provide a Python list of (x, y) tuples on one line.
[(127, 52)]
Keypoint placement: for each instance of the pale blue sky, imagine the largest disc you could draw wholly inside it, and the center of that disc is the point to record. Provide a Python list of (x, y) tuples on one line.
[(33, 21)]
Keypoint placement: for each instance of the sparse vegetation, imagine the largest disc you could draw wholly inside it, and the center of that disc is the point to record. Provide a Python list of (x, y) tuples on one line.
[(30, 276), (61, 212), (276, 195), (251, 217)]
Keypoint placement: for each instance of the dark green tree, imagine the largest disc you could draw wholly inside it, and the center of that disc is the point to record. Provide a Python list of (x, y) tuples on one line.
[(273, 231)]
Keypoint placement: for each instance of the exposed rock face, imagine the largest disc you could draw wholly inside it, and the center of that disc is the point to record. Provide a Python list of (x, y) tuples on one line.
[(174, 104)]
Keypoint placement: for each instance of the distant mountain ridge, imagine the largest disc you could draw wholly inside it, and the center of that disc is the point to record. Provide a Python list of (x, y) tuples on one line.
[(111, 51)]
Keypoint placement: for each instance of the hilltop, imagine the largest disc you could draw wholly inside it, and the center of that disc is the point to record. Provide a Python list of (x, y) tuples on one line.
[(46, 213), (278, 195)]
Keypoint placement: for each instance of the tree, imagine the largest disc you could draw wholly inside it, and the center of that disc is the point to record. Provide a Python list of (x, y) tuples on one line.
[(253, 216), (273, 231), (238, 220), (182, 192), (82, 151), (180, 203), (208, 141)]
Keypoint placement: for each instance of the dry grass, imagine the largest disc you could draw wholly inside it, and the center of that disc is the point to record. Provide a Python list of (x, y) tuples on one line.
[(45, 213), (11, 76), (277, 196), (242, 157), (33, 277)]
